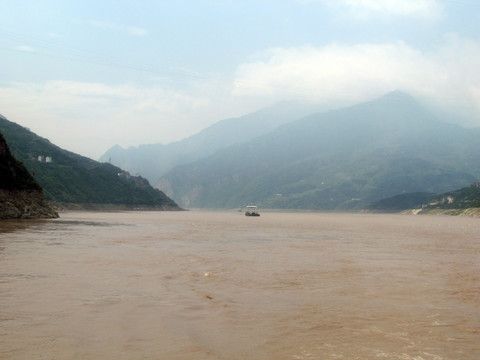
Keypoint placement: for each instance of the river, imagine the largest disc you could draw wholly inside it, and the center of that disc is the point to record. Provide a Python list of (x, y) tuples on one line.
[(219, 285)]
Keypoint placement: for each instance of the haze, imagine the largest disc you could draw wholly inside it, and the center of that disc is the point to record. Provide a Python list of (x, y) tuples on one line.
[(88, 75)]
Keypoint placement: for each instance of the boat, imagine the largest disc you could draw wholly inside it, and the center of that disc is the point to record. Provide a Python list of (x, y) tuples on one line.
[(251, 210)]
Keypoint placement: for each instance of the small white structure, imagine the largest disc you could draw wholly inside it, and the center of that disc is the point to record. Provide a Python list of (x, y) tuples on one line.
[(251, 210), (44, 159)]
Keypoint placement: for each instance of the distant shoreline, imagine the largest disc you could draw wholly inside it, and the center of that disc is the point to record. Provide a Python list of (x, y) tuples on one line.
[(112, 207)]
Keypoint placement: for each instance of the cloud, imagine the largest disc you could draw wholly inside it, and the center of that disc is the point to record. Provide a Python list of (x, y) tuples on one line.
[(134, 30), (25, 48), (131, 30), (89, 118), (54, 35), (366, 8), (340, 74)]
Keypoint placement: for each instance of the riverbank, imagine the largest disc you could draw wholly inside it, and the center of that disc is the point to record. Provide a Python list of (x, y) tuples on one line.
[(470, 212), (24, 204)]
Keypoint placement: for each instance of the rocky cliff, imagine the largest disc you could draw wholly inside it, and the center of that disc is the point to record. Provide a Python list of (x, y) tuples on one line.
[(20, 195)]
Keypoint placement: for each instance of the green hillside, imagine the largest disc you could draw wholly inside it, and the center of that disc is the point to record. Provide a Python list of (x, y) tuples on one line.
[(21, 197), (13, 174), (461, 199), (452, 202), (69, 178), (338, 160)]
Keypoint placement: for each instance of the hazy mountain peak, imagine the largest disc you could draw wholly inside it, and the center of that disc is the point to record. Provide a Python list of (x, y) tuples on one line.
[(398, 98), (398, 95), (154, 160), (338, 159)]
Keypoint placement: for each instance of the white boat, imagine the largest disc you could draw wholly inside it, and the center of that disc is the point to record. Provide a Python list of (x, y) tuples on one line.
[(251, 210)]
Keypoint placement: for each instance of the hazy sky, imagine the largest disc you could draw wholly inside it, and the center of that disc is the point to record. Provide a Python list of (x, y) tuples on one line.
[(91, 74)]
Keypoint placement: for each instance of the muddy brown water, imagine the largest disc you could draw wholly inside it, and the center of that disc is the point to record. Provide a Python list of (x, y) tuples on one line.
[(219, 285)]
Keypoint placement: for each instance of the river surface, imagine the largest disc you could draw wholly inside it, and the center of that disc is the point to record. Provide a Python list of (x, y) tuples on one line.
[(219, 285)]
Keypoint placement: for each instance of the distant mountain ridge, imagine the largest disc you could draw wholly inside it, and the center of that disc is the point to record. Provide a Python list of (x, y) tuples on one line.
[(336, 160), (69, 178), (154, 160)]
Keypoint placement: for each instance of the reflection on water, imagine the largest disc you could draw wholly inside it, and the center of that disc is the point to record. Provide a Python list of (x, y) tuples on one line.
[(7, 226), (200, 285)]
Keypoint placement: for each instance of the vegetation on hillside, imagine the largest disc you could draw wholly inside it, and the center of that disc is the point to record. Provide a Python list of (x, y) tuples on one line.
[(21, 196), (464, 198), (455, 202), (13, 174), (69, 178)]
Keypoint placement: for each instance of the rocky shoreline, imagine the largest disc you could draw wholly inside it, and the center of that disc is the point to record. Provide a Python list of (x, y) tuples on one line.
[(24, 204)]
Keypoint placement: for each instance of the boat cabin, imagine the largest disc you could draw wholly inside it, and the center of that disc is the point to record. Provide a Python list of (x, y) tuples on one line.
[(251, 211)]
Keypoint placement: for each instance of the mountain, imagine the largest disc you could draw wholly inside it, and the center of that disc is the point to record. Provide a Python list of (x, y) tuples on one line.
[(461, 201), (336, 160), (21, 197), (155, 160), (69, 178), (464, 201)]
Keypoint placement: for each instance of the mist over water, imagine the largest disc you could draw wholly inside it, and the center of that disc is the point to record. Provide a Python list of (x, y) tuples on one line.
[(219, 285)]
